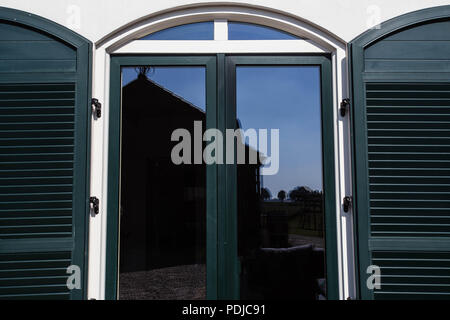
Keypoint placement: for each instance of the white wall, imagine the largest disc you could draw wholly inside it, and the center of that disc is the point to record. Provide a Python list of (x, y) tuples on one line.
[(94, 19)]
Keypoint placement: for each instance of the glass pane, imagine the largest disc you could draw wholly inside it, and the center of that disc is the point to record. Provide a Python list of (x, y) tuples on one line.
[(187, 83), (163, 205), (280, 212), (248, 31), (192, 31)]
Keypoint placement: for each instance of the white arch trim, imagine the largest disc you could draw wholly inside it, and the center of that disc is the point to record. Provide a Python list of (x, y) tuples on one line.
[(209, 12), (122, 41)]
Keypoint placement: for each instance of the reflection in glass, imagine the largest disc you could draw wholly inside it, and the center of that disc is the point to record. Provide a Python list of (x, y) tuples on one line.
[(280, 217), (163, 205), (249, 31), (187, 83), (191, 31)]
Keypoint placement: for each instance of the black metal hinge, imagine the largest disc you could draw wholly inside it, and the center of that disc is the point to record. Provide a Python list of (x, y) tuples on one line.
[(347, 203), (95, 204), (345, 106), (96, 108)]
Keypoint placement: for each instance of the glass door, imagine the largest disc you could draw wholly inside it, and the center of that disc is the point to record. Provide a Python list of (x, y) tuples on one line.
[(280, 185), (165, 221)]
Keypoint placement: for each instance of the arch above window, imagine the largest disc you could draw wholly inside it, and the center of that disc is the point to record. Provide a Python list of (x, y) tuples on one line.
[(209, 30), (311, 38)]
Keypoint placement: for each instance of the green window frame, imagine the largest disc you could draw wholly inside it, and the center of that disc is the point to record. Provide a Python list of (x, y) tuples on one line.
[(114, 155), (229, 282)]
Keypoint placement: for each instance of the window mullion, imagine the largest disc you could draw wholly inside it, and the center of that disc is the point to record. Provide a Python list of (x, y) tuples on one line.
[(220, 29)]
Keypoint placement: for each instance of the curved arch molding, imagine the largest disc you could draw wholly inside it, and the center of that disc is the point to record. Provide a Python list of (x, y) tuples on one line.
[(207, 12)]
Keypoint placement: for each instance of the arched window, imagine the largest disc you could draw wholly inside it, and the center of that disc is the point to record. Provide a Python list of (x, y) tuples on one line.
[(191, 31), (250, 31), (206, 31), (277, 63)]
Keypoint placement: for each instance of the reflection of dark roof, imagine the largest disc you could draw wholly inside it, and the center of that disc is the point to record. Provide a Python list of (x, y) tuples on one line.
[(143, 88), (175, 95)]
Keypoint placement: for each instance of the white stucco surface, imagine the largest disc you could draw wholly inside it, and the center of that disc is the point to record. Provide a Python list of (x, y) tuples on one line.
[(94, 19)]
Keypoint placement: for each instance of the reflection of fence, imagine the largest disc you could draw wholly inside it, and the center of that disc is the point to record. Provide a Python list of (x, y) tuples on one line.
[(304, 214), (311, 212)]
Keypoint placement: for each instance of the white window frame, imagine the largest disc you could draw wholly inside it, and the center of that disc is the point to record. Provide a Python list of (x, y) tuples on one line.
[(125, 41)]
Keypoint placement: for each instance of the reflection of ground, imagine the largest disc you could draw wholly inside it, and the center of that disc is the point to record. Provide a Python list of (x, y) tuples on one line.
[(173, 283), (298, 240)]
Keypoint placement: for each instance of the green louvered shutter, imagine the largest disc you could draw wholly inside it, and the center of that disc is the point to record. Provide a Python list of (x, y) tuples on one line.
[(401, 135), (44, 94)]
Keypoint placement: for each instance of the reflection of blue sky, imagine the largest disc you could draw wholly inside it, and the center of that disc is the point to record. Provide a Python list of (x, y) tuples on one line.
[(288, 99), (285, 98)]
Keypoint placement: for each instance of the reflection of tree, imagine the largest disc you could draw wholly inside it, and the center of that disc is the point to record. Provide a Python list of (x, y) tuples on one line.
[(144, 70), (281, 195), (265, 194), (298, 193)]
